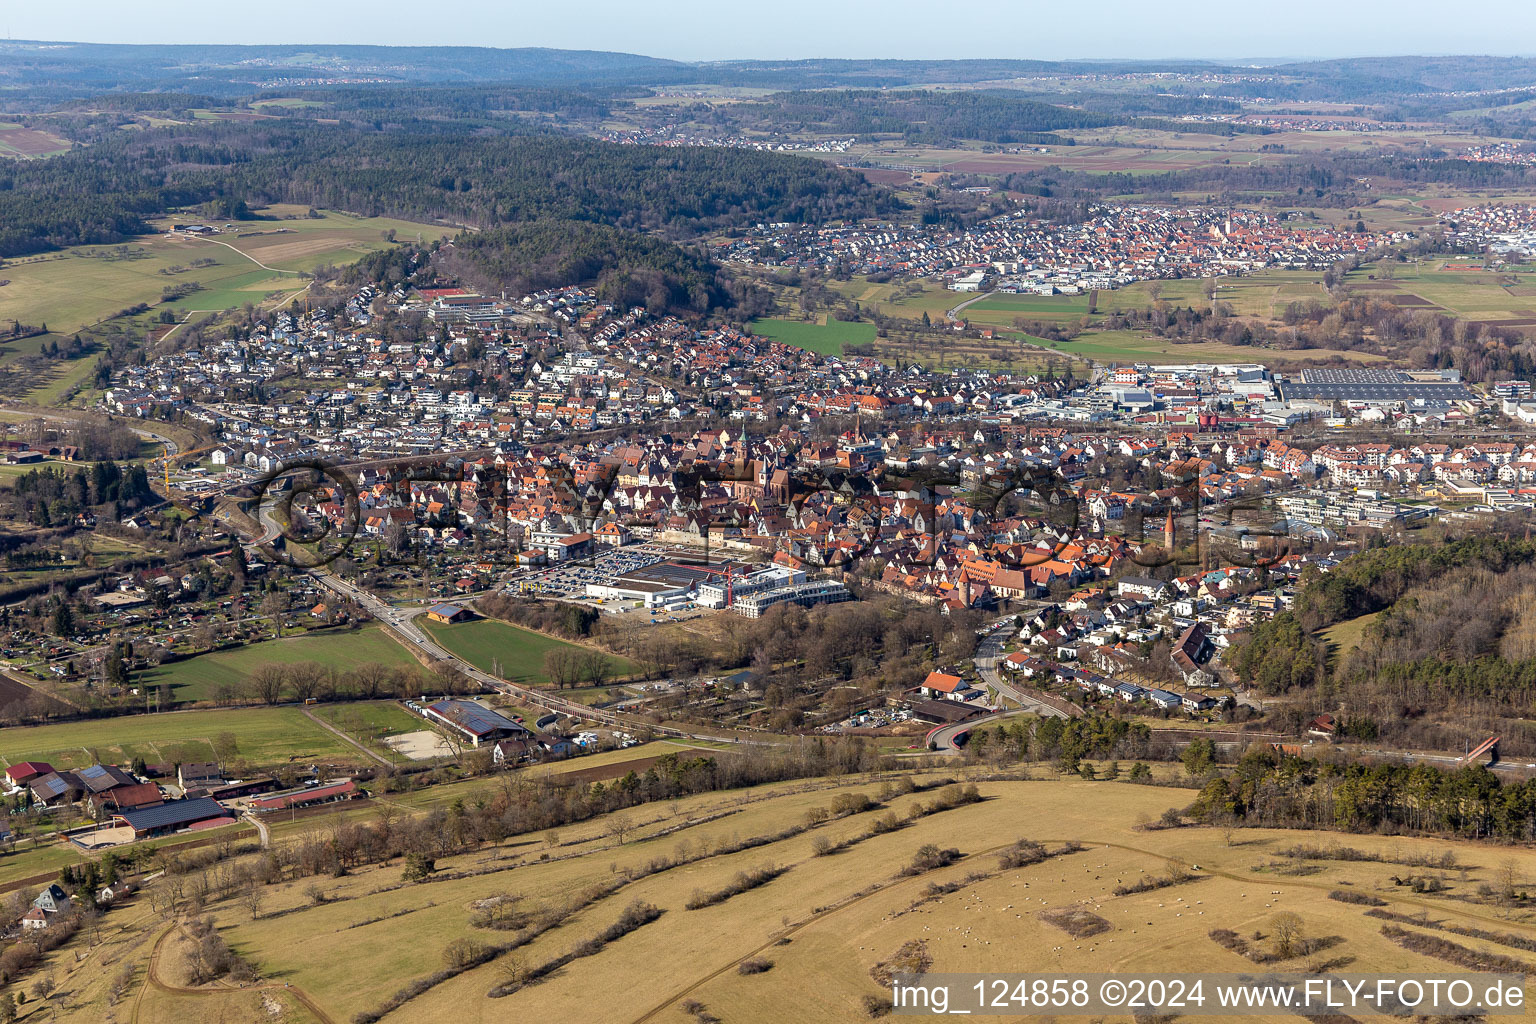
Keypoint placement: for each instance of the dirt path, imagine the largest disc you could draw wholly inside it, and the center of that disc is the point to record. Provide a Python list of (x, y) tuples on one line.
[(328, 727), (153, 979), (242, 252)]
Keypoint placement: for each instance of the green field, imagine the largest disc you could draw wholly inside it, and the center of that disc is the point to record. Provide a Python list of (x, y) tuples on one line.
[(369, 721), (195, 678), (827, 337), (1345, 636), (1468, 292), (482, 642), (263, 736), (1031, 307), (1132, 346)]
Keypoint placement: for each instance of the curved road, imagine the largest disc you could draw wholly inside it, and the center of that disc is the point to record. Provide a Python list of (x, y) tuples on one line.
[(989, 653)]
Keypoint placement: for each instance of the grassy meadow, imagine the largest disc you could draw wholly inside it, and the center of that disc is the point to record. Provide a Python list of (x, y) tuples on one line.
[(262, 736), (195, 679), (520, 652), (829, 337), (73, 290), (827, 921)]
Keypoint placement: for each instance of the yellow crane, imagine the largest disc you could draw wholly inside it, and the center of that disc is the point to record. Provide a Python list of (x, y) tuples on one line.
[(165, 463)]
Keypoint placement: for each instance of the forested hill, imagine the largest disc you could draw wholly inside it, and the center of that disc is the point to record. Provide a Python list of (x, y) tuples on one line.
[(998, 116), (922, 115), (627, 269), (105, 193)]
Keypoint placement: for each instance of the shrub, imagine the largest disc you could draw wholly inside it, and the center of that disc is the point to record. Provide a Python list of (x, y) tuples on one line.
[(417, 867), (929, 857), (877, 1006), (844, 804), (756, 965), (1076, 922), (743, 881), (1363, 899), (462, 953), (1021, 854)]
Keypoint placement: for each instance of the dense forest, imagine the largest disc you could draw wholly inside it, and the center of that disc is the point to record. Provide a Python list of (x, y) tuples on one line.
[(1268, 789), (628, 269), (1003, 117), (49, 497), (1450, 655), (1333, 178), (105, 193), (919, 115)]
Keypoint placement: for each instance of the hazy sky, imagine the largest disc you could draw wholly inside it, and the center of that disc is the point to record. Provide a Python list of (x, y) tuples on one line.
[(718, 29)]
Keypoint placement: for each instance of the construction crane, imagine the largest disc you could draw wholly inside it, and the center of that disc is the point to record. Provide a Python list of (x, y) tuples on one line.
[(165, 471)]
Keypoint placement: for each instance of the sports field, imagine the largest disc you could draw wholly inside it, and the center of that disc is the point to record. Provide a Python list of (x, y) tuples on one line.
[(828, 337), (195, 679), (262, 736), (519, 652)]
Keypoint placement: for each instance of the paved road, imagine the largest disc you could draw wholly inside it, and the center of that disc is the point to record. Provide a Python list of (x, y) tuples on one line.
[(989, 653), (403, 622), (946, 739), (954, 314), (261, 828)]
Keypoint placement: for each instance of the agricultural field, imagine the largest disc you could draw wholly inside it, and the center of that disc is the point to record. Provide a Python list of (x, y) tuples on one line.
[(1002, 309), (519, 652), (195, 679), (19, 141), (1262, 296), (823, 928), (86, 286), (369, 721), (261, 736), (827, 336), (1458, 287)]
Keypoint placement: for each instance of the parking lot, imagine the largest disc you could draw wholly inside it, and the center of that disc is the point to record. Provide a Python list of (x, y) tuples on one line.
[(570, 581)]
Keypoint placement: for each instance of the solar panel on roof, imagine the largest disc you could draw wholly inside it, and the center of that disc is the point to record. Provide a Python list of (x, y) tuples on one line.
[(473, 717)]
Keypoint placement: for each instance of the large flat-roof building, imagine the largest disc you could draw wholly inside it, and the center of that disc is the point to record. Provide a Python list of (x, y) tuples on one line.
[(474, 722)]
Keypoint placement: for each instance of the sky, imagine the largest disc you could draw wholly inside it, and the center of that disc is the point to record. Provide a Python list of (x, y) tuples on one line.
[(737, 29)]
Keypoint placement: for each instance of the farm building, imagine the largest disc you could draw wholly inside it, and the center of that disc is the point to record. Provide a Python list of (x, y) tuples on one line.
[(23, 772), (472, 721), (174, 816), (199, 775), (56, 788), (118, 798), (306, 796)]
